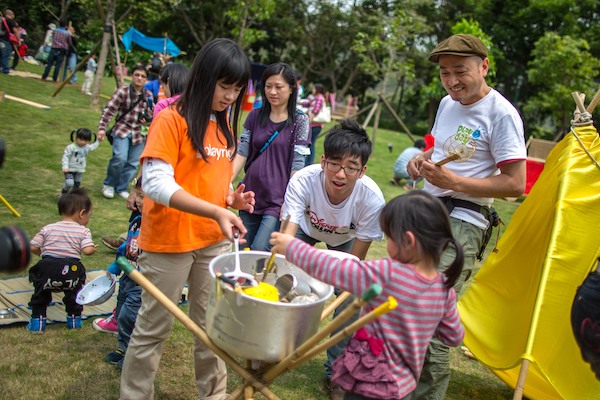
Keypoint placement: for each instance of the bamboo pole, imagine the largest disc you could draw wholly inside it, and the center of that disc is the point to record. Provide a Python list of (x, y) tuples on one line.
[(396, 117), (518, 395)]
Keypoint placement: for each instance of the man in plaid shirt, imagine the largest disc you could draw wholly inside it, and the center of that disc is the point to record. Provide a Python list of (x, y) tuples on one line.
[(128, 141), (61, 40)]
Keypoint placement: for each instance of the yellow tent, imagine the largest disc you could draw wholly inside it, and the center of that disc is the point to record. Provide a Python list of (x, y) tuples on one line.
[(519, 304)]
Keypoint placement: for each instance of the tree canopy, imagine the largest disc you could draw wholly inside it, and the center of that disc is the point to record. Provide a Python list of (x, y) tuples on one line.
[(540, 50)]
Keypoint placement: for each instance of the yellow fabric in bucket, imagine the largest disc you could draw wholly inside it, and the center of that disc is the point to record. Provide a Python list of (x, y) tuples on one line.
[(263, 291)]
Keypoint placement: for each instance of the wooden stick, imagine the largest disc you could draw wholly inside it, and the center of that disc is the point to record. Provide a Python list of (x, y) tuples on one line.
[(192, 326), (7, 204), (334, 304), (309, 350), (594, 102), (579, 102), (518, 395), (448, 159), (29, 103)]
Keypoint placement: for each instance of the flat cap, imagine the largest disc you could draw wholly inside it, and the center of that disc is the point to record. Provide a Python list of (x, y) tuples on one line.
[(459, 45)]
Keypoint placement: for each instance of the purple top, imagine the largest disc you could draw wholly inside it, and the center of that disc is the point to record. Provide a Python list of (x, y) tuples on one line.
[(267, 174)]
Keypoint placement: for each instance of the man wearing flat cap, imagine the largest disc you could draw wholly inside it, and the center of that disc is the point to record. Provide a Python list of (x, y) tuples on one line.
[(478, 125)]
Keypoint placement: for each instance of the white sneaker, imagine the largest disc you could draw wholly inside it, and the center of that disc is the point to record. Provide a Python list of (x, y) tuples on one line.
[(108, 191), (124, 194)]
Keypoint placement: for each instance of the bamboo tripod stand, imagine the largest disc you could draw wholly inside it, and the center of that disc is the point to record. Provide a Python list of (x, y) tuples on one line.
[(307, 350)]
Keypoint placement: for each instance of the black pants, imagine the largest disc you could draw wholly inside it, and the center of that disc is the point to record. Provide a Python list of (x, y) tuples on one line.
[(585, 320), (49, 275)]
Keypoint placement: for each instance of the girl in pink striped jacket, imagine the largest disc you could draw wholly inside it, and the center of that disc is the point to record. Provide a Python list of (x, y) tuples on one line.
[(383, 360)]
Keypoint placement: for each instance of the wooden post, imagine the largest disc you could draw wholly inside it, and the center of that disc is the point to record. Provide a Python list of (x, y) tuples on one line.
[(518, 395), (396, 117)]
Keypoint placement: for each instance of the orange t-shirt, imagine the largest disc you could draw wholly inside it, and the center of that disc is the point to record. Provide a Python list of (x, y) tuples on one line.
[(166, 229)]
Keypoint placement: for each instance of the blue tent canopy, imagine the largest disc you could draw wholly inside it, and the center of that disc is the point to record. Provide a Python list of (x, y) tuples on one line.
[(160, 45)]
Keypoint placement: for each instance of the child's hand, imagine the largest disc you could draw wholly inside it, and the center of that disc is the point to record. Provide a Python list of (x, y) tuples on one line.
[(280, 242), (65, 170), (241, 201)]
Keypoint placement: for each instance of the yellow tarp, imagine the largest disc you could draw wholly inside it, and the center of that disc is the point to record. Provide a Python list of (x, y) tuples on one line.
[(519, 304)]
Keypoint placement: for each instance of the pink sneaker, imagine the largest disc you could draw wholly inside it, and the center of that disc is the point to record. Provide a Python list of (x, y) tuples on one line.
[(108, 324)]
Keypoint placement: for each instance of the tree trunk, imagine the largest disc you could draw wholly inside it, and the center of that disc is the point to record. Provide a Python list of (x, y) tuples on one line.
[(110, 14)]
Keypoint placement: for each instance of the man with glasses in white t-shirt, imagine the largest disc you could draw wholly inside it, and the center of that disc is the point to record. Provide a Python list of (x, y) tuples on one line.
[(334, 202)]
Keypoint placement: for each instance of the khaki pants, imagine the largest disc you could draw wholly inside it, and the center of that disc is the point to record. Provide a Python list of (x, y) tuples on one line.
[(169, 272), (435, 375)]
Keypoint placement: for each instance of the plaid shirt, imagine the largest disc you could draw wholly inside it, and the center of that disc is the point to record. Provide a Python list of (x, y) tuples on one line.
[(61, 39), (121, 101)]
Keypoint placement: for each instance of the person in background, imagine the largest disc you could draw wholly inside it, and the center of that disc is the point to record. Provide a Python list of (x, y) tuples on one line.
[(130, 104), (585, 320), (21, 50), (72, 56), (383, 359), (401, 162), (61, 40), (129, 298), (187, 169), (273, 146), (8, 25), (317, 102), (60, 244), (74, 158), (173, 80), (472, 116), (334, 202), (90, 72)]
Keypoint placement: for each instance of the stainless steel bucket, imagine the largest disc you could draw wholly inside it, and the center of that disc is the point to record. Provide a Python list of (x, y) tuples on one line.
[(256, 329)]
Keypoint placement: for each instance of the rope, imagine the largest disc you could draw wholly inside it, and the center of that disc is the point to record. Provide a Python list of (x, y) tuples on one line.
[(584, 148)]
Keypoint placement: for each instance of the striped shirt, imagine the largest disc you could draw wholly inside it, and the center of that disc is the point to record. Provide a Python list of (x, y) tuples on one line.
[(425, 307), (63, 239)]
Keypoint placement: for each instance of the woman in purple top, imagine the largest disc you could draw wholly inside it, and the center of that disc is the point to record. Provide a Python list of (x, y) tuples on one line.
[(273, 145), (173, 80), (316, 104)]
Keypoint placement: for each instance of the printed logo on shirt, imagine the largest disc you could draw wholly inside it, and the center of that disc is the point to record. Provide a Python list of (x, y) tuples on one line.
[(320, 225), (216, 152), (463, 143)]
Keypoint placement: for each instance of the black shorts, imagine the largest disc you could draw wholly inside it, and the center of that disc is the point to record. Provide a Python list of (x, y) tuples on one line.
[(57, 274)]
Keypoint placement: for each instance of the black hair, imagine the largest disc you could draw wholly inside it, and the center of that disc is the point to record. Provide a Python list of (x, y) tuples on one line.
[(74, 201), (319, 88), (139, 67), (298, 76), (219, 59), (347, 138), (175, 75), (289, 76), (420, 144), (84, 134), (427, 218), (62, 23)]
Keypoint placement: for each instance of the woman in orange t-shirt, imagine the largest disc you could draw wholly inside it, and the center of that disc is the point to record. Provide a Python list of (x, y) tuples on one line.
[(187, 169)]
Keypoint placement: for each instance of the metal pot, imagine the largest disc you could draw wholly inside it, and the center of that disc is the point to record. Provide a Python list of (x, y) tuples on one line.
[(97, 291), (257, 329)]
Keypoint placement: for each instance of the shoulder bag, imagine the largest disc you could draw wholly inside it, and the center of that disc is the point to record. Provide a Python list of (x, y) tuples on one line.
[(109, 135), (324, 115)]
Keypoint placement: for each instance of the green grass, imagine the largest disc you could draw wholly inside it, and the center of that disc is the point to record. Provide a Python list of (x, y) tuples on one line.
[(68, 365)]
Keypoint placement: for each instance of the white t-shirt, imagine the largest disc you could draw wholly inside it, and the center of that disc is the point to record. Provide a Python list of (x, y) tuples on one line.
[(308, 205), (488, 133)]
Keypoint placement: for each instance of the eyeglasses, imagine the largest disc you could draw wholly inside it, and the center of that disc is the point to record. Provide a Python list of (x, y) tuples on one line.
[(139, 75), (335, 167)]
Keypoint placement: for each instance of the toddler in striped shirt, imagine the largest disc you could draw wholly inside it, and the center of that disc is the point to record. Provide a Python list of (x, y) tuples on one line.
[(60, 269)]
